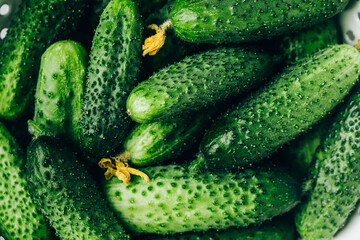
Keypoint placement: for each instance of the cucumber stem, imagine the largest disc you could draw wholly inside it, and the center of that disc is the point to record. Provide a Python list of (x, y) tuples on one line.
[(120, 168), (153, 44)]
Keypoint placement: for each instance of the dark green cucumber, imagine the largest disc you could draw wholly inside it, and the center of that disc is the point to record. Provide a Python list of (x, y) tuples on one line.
[(66, 194), (335, 176), (308, 41), (176, 201), (154, 143), (300, 152), (37, 24), (59, 91), (275, 114), (115, 60), (270, 230), (19, 217), (214, 21), (199, 81)]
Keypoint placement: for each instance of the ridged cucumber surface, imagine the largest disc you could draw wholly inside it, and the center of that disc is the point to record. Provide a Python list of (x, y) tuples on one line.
[(154, 143), (270, 230), (28, 37), (66, 194), (199, 81), (309, 41), (214, 21), (59, 91), (293, 101), (115, 61), (176, 201), (20, 218), (335, 176)]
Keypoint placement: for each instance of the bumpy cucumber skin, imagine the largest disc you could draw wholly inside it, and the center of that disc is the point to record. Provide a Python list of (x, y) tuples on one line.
[(176, 201), (213, 21), (59, 91), (335, 176), (154, 143), (20, 218), (27, 38), (115, 60), (293, 101), (198, 81), (67, 195), (309, 41), (270, 230)]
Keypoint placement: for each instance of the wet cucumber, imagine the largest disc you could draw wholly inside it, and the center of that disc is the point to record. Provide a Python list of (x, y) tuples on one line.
[(270, 230), (335, 176), (176, 201), (59, 91), (199, 81), (115, 60), (309, 41), (154, 143), (66, 194), (27, 38), (215, 21), (19, 217), (275, 114)]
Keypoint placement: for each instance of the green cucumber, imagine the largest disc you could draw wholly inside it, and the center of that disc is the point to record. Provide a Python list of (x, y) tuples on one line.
[(176, 201), (199, 81), (115, 60), (27, 38), (291, 103), (302, 149), (334, 176), (66, 194), (154, 143), (20, 218), (214, 21), (59, 91), (270, 230), (308, 41)]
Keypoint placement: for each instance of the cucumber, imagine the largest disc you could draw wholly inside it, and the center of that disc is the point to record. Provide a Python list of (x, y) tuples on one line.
[(214, 21), (199, 81), (154, 143), (66, 194), (302, 149), (334, 176), (176, 201), (59, 91), (115, 60), (20, 218), (292, 102), (270, 230), (27, 38), (308, 41)]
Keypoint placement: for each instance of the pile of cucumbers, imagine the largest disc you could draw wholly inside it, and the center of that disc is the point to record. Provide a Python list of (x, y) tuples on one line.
[(246, 121)]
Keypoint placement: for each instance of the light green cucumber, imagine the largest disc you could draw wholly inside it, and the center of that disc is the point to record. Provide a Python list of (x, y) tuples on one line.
[(288, 105), (334, 176), (215, 21), (199, 81), (59, 91), (175, 201), (115, 60), (20, 218), (67, 196), (36, 25)]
